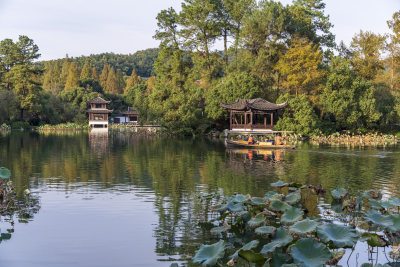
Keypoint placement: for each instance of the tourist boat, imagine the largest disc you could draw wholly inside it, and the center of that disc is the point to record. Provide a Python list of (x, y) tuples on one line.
[(243, 143)]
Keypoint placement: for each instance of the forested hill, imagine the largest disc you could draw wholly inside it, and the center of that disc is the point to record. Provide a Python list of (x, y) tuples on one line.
[(142, 61)]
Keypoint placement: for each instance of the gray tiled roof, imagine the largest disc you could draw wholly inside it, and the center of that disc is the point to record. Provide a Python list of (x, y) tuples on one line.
[(254, 104), (98, 100)]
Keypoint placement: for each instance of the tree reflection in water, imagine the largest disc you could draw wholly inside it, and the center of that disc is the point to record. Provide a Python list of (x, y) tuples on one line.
[(178, 171)]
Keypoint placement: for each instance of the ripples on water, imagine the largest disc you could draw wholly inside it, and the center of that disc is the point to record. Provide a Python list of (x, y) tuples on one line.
[(120, 200)]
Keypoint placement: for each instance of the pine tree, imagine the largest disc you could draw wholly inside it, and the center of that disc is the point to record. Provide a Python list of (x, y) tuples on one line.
[(48, 74), (85, 74), (73, 76), (104, 75), (56, 84), (121, 81), (95, 74), (133, 80), (112, 82), (64, 71)]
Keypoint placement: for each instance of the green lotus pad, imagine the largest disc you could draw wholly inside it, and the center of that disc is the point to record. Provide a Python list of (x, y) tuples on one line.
[(308, 252), (340, 235), (210, 254), (304, 226)]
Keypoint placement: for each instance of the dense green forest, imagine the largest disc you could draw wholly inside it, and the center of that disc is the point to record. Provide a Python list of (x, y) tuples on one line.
[(274, 51)]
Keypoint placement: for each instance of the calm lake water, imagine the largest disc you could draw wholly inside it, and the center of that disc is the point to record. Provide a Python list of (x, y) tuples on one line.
[(120, 200)]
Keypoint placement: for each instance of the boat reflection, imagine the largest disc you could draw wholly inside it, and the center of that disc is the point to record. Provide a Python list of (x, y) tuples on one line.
[(275, 155)]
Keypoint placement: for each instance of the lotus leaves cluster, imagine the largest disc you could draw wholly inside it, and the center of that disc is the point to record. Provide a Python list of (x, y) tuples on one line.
[(275, 230)]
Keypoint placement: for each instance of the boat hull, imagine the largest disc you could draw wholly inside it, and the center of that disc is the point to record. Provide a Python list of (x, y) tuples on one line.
[(236, 143)]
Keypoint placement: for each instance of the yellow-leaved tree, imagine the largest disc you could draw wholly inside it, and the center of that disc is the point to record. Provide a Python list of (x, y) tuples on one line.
[(300, 67)]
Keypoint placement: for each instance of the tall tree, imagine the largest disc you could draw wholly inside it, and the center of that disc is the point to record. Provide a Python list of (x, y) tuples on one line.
[(95, 74), (393, 47), (86, 71), (132, 80), (236, 11), (73, 76), (111, 85), (200, 26), (300, 67), (167, 32), (121, 81), (64, 71), (367, 48), (307, 19), (104, 75)]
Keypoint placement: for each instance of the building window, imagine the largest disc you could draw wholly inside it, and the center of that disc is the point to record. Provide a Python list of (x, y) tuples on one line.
[(133, 119), (98, 105), (98, 117)]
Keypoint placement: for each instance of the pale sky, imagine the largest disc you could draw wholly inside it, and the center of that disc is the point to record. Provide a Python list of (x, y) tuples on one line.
[(84, 27)]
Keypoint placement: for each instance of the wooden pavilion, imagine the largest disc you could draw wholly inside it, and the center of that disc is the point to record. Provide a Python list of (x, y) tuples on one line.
[(252, 114), (98, 112)]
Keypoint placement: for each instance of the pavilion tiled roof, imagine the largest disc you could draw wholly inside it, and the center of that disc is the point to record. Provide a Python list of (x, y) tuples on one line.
[(98, 100), (254, 104)]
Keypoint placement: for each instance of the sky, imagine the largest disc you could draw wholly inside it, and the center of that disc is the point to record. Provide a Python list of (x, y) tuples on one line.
[(84, 27)]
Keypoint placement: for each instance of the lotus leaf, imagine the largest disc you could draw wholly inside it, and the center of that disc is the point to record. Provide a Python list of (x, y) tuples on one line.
[(4, 173), (395, 226), (251, 256), (279, 259), (340, 236), (374, 204), (281, 239), (269, 194), (374, 240), (265, 230), (293, 198), (258, 201), (386, 205), (250, 245), (256, 221), (304, 226), (308, 252), (395, 201), (279, 184), (292, 215), (219, 230), (240, 198), (339, 193), (278, 205), (210, 254), (377, 218), (289, 265), (221, 207), (235, 207)]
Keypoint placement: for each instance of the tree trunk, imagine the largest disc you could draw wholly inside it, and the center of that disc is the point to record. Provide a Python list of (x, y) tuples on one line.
[(226, 46)]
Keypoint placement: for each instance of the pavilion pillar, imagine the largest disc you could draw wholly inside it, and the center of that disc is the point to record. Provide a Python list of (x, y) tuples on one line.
[(251, 120), (230, 120), (272, 120), (265, 121)]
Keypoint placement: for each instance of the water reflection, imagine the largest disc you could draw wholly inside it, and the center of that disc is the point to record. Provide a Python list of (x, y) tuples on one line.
[(120, 174)]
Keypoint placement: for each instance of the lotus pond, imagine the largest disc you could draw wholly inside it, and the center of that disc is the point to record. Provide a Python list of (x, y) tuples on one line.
[(113, 199)]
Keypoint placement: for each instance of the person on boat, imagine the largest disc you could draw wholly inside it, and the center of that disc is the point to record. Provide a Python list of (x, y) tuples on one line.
[(250, 140), (278, 140)]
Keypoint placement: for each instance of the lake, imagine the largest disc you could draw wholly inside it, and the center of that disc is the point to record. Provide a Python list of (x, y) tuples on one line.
[(116, 199)]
